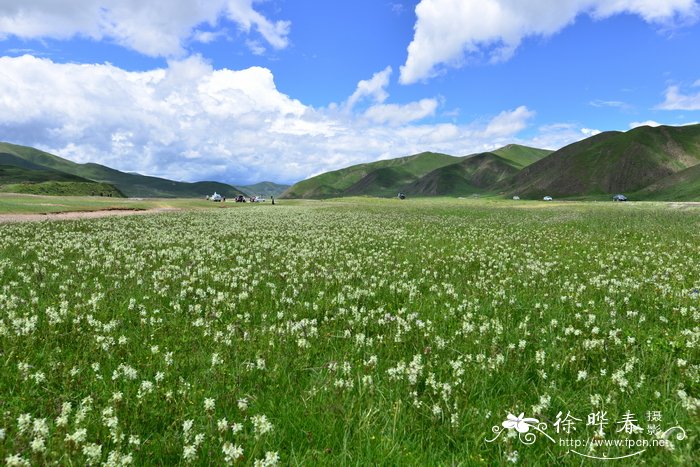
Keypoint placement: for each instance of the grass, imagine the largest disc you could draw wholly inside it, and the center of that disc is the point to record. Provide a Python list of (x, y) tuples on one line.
[(11, 203), (362, 331), (63, 189)]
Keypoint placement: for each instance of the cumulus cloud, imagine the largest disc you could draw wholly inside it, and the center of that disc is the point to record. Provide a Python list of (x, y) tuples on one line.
[(509, 122), (190, 121), (395, 114), (373, 88), (677, 100), (151, 27), (446, 31)]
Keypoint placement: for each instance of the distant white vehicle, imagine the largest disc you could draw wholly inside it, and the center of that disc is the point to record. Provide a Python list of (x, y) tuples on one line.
[(216, 197), (547, 198), (516, 198), (259, 199)]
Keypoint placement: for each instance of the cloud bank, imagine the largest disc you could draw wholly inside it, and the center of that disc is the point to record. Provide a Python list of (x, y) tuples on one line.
[(448, 31), (151, 27), (190, 121)]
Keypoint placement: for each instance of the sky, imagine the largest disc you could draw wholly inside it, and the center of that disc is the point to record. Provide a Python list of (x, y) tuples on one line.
[(242, 91)]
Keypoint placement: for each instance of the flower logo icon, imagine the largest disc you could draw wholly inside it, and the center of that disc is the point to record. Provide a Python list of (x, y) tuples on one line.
[(520, 423)]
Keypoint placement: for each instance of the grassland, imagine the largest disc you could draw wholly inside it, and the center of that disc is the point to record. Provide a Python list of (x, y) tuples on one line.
[(14, 203), (350, 331)]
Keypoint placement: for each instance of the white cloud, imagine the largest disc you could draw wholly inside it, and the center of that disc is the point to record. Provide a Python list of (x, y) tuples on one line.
[(151, 27), (588, 132), (395, 114), (448, 30), (677, 100), (645, 123), (374, 88), (509, 123), (189, 121)]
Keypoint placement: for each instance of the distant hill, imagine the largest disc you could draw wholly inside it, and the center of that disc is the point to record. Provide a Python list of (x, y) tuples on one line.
[(424, 174), (55, 188), (681, 186), (611, 162), (20, 179), (360, 179), (473, 174), (264, 189), (521, 156), (130, 184)]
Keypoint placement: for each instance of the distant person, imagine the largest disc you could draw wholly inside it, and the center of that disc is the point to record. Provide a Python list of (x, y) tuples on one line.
[(273, 199)]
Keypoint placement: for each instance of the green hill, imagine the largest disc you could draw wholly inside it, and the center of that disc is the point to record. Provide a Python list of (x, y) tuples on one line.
[(611, 162), (521, 156), (264, 189), (15, 179), (359, 179), (14, 174), (681, 186), (473, 174), (130, 184), (56, 188)]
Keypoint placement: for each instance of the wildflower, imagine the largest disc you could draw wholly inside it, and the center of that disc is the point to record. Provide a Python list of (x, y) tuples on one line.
[(261, 425), (271, 459), (232, 452), (512, 457), (189, 453), (38, 445), (222, 424), (209, 404), (243, 404), (77, 437), (23, 422), (93, 452), (16, 460)]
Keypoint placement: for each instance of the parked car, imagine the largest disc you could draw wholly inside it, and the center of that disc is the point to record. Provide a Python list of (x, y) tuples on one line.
[(240, 199), (547, 198), (401, 196), (516, 198), (619, 198)]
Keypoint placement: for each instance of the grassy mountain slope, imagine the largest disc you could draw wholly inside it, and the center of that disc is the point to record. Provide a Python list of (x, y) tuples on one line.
[(611, 162), (473, 174), (131, 184), (264, 188), (338, 182), (16, 179), (521, 156), (385, 181), (58, 188), (15, 174), (681, 186)]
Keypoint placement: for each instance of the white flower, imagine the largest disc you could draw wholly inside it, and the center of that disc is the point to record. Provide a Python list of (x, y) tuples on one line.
[(209, 404), (261, 425), (232, 452), (38, 445), (521, 424)]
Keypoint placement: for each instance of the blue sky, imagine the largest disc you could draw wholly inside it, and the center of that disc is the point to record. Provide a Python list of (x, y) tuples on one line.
[(242, 91)]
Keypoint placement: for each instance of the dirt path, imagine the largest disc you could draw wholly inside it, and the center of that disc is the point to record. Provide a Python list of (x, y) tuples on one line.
[(58, 216)]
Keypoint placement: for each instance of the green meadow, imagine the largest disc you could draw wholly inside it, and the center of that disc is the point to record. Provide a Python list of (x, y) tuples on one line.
[(351, 332)]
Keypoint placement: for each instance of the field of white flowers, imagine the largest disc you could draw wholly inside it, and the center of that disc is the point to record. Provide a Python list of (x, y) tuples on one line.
[(362, 332)]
